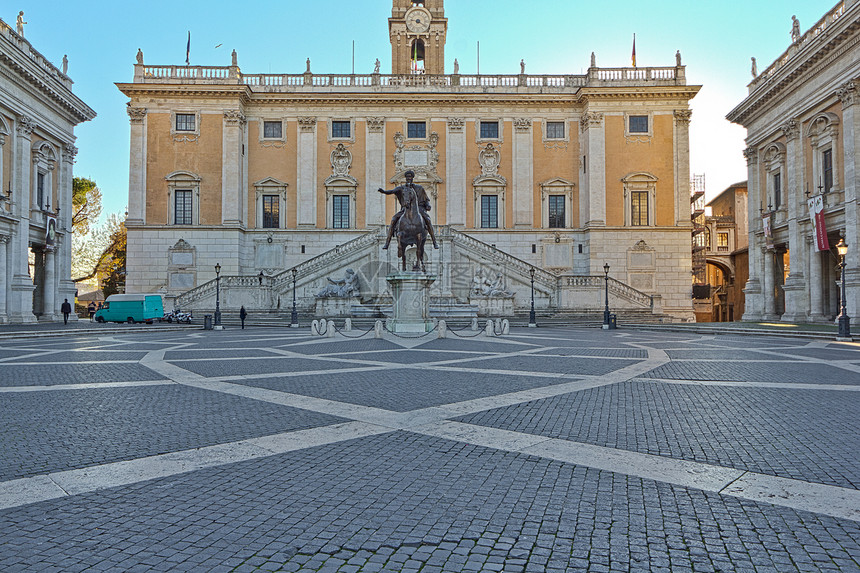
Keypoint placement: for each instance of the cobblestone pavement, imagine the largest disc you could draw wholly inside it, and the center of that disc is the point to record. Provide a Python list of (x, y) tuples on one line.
[(552, 449)]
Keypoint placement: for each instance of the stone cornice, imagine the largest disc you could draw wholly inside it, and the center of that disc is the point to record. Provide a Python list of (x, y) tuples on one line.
[(63, 97)]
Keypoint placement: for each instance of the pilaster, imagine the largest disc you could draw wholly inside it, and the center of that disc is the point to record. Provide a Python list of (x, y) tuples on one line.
[(850, 130), (20, 307), (796, 294), (523, 192), (593, 180), (66, 288), (816, 290), (137, 167), (306, 209), (753, 296), (232, 172), (456, 185), (375, 168), (682, 166), (5, 275)]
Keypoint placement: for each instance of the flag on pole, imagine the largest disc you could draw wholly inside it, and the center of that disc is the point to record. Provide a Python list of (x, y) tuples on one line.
[(188, 50), (633, 56)]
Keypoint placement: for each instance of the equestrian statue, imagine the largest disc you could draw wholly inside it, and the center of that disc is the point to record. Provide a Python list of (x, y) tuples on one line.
[(412, 223)]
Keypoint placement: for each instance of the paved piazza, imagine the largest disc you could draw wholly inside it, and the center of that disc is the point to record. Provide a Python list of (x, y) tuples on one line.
[(552, 449)]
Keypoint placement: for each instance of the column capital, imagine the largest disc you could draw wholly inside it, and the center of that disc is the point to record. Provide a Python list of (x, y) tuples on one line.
[(456, 124), (375, 124), (4, 238), (136, 114), (234, 117), (522, 123), (791, 129), (69, 153), (847, 93), (307, 124), (25, 126), (590, 119), (683, 116), (751, 155)]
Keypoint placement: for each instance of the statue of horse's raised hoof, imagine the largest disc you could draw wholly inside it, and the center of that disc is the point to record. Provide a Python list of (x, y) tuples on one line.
[(384, 247), (435, 246)]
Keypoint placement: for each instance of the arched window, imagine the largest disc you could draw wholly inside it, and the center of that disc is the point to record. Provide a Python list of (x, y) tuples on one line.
[(416, 54)]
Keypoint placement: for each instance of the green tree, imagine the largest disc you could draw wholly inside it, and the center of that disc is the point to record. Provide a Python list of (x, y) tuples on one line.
[(86, 204), (112, 264)]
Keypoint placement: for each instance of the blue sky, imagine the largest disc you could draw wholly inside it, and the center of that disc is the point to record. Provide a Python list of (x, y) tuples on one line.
[(716, 40)]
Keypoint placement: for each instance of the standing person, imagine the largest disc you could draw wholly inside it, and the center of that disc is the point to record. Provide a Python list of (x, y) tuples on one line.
[(91, 309), (66, 309), (242, 314)]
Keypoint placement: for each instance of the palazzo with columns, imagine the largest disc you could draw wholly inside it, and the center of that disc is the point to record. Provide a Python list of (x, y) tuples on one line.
[(261, 173), (803, 132), (38, 113)]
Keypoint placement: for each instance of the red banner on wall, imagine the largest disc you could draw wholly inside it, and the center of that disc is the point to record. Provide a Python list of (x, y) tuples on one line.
[(816, 215)]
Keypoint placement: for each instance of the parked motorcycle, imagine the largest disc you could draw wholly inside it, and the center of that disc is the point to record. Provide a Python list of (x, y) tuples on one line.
[(177, 315)]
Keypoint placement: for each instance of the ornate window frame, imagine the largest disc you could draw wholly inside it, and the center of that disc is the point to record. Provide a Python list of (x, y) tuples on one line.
[(351, 137), (499, 139), (270, 186), (632, 134), (551, 140), (637, 182), (183, 181), (489, 185), (44, 156), (823, 134), (556, 186), (774, 164), (273, 140), (184, 135), (426, 123), (340, 185)]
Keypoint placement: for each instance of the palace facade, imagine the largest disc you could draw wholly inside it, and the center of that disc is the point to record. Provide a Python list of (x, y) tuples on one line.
[(555, 174), (38, 113), (803, 137)]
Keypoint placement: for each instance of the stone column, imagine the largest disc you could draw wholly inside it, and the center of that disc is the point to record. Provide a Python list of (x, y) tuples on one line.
[(20, 307), (523, 191), (796, 294), (456, 187), (137, 167), (851, 159), (4, 278), (816, 292), (592, 200), (66, 287), (682, 167), (374, 202), (769, 285), (49, 288), (306, 194), (753, 296), (232, 173)]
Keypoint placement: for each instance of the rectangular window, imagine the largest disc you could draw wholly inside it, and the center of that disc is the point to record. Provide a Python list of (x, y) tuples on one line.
[(489, 130), (639, 208), (416, 130), (489, 211), (182, 207), (40, 190), (638, 124), (722, 241), (340, 211), (185, 122), (556, 211), (271, 212), (340, 129), (827, 169), (777, 190), (555, 130), (272, 130)]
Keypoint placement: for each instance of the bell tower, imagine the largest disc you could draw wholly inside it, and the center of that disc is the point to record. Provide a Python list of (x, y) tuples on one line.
[(418, 29)]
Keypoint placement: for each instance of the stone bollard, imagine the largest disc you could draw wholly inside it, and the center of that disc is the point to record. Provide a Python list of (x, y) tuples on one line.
[(347, 326), (442, 329), (315, 328), (474, 324), (506, 327), (377, 329), (489, 329), (331, 331)]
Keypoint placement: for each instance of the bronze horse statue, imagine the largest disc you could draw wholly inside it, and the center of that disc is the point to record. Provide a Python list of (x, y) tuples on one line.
[(411, 229)]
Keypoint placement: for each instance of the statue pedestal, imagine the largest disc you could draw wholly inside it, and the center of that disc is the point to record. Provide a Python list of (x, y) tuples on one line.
[(335, 306), (494, 306), (411, 293)]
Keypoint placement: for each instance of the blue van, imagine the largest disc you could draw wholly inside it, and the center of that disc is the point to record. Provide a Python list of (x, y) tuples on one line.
[(131, 308)]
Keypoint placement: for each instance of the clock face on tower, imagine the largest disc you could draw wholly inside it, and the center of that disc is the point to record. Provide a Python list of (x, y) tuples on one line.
[(418, 20)]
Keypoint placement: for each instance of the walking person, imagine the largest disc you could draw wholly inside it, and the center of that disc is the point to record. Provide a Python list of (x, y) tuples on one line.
[(91, 310), (242, 315), (66, 309)]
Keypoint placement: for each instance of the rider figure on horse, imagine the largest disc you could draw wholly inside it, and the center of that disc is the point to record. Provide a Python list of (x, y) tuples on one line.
[(423, 207)]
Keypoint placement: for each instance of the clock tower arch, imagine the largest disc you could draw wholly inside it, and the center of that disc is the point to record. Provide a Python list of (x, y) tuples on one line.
[(418, 30)]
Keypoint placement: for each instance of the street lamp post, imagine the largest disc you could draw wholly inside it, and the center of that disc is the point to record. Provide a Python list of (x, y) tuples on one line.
[(294, 316), (217, 295), (606, 284), (532, 320), (844, 320)]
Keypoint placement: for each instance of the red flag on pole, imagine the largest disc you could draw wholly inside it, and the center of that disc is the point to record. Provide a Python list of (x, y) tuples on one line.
[(633, 56)]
